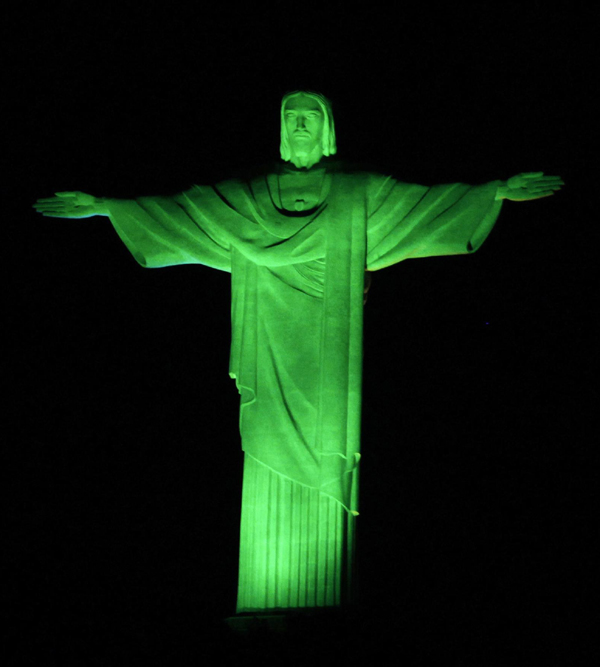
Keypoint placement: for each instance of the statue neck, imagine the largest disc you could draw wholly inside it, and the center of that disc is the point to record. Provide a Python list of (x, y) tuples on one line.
[(308, 160)]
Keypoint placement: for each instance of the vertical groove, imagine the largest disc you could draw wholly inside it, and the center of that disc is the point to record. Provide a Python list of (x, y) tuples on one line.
[(270, 542), (292, 547)]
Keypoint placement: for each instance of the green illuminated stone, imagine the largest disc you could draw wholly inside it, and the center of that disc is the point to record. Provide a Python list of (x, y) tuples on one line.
[(297, 238)]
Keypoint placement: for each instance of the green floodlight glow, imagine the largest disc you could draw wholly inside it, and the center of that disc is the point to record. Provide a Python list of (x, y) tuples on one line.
[(297, 241)]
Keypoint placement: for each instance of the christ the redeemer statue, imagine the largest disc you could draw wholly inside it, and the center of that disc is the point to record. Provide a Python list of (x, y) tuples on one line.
[(297, 237)]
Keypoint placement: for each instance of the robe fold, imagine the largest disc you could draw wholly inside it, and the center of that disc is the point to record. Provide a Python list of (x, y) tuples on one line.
[(297, 303)]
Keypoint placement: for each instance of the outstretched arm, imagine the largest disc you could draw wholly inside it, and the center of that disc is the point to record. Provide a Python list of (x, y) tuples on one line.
[(530, 185), (185, 228), (71, 205)]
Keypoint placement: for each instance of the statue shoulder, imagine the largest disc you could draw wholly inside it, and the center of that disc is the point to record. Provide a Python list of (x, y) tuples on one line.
[(358, 167), (373, 175)]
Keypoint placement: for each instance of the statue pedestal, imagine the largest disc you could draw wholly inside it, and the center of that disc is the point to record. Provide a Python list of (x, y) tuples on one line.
[(245, 624), (281, 621)]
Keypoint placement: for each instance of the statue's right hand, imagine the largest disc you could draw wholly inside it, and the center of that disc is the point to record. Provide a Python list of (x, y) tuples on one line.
[(69, 205)]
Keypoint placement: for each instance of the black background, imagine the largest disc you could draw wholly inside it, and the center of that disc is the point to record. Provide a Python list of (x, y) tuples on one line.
[(122, 449)]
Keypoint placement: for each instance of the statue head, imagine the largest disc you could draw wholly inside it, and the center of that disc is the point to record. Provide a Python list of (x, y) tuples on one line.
[(307, 127)]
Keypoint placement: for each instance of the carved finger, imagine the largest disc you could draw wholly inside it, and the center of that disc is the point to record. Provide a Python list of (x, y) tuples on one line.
[(54, 209), (546, 187), (50, 205), (551, 179)]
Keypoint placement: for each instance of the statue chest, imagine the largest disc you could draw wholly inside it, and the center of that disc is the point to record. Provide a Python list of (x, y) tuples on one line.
[(298, 192)]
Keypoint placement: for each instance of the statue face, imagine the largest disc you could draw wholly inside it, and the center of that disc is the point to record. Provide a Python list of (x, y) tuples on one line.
[(304, 123)]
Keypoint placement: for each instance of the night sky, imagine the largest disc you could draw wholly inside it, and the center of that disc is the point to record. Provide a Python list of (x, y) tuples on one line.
[(124, 456)]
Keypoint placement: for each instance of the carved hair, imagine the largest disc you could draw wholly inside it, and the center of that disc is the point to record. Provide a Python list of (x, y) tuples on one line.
[(328, 143)]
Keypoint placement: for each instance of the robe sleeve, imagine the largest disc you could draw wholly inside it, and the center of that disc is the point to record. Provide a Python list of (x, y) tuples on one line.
[(169, 230), (406, 221)]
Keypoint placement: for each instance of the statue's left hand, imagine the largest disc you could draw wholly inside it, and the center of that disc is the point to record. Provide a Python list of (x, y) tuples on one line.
[(531, 185)]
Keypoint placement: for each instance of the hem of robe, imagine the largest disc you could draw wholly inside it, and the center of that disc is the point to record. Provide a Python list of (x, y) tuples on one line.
[(314, 488), (297, 545)]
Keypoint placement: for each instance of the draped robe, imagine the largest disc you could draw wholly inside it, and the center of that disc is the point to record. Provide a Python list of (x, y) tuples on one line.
[(296, 349)]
